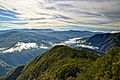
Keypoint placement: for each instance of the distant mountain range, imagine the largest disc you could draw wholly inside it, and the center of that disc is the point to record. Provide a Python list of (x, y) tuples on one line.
[(99, 43), (4, 67), (19, 46), (105, 41)]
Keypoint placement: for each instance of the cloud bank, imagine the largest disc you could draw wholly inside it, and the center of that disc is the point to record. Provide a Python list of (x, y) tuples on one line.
[(85, 14)]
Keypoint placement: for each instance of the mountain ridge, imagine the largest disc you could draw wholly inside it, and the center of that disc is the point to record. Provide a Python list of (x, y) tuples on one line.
[(55, 56), (18, 46), (105, 41), (64, 63), (92, 42)]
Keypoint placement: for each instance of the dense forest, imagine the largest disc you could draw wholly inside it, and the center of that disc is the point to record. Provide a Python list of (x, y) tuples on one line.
[(64, 63)]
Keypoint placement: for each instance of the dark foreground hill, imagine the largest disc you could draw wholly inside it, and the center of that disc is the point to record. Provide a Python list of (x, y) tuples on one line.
[(64, 63)]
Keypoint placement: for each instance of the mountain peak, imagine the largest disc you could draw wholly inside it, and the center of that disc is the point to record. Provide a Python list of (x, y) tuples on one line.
[(54, 59)]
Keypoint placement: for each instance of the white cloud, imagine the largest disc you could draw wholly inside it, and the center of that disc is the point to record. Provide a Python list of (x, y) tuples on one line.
[(39, 13), (71, 41), (21, 46), (87, 46), (77, 42), (44, 47)]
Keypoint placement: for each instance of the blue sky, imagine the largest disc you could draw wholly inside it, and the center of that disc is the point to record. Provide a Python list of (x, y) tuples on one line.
[(60, 14)]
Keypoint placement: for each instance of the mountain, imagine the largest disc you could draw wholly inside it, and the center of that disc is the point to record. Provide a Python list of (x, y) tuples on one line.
[(72, 34), (4, 67), (64, 63), (18, 46), (98, 43), (104, 41), (60, 62)]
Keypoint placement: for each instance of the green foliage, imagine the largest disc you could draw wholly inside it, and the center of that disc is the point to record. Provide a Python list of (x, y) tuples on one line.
[(108, 66), (64, 63), (60, 62)]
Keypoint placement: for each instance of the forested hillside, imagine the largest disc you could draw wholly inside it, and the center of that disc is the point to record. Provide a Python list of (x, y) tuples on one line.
[(64, 63)]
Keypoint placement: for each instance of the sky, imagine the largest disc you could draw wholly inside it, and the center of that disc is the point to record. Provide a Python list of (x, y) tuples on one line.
[(60, 14)]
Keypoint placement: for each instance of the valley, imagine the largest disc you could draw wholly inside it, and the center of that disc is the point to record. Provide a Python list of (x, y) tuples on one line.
[(17, 47)]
